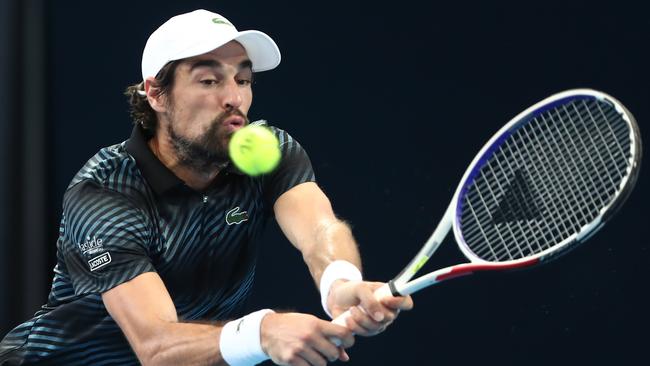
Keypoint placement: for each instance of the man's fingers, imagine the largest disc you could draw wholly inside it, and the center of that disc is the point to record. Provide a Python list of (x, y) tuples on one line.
[(343, 356), (344, 334), (326, 348), (303, 340), (312, 357), (354, 326), (398, 303), (297, 361), (363, 324), (370, 304), (369, 315)]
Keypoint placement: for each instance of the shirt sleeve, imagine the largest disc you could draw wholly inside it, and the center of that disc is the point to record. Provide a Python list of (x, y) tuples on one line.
[(105, 238), (294, 168)]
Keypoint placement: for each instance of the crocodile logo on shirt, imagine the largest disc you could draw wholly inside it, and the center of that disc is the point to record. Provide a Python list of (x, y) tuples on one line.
[(235, 217)]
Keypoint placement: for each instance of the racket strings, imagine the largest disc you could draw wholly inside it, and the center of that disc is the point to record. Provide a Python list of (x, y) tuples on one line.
[(564, 156), (546, 181), (525, 232)]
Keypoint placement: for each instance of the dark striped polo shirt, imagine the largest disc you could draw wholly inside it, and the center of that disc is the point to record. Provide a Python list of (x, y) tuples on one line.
[(124, 214)]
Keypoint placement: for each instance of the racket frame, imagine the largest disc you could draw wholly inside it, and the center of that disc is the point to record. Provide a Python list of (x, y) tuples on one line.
[(401, 284)]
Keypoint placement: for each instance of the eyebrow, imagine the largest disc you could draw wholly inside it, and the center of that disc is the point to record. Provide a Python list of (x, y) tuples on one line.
[(214, 64)]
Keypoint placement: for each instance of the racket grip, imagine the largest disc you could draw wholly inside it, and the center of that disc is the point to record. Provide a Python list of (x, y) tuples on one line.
[(380, 293)]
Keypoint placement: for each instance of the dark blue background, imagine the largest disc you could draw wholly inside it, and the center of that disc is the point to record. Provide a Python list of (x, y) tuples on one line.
[(392, 101)]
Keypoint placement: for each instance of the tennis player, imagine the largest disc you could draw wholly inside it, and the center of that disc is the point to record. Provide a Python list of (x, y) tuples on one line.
[(159, 235)]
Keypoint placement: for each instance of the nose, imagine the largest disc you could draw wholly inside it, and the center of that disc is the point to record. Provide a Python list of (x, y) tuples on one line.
[(232, 98)]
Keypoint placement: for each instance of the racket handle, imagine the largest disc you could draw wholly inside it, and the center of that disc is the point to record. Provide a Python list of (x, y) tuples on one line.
[(380, 293)]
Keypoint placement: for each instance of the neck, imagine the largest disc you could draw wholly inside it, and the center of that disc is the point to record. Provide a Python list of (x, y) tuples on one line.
[(162, 147)]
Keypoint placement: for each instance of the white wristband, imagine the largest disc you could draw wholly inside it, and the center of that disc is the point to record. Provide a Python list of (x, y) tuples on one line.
[(337, 270), (240, 342)]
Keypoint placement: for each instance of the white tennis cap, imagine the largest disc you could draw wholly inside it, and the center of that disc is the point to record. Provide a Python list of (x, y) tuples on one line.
[(199, 32)]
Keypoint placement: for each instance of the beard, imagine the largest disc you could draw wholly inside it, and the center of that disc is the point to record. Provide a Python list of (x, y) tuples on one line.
[(208, 151)]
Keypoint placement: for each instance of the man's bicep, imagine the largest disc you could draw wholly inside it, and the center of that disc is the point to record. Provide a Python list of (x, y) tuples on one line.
[(141, 307)]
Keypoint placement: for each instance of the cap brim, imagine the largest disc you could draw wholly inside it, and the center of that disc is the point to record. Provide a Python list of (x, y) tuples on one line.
[(261, 49)]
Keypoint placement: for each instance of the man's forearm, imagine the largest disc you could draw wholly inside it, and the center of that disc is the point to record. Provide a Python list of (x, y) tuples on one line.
[(183, 343), (282, 337), (306, 217), (333, 240)]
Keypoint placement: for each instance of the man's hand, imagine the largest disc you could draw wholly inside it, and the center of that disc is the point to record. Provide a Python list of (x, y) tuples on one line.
[(302, 340), (371, 316)]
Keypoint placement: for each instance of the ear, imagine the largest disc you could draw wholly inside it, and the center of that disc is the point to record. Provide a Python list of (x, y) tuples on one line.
[(156, 100)]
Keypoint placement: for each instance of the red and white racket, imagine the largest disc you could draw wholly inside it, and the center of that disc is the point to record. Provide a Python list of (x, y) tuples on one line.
[(543, 184)]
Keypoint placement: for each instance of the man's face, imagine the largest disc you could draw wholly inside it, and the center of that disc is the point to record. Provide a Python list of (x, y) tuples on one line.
[(208, 102)]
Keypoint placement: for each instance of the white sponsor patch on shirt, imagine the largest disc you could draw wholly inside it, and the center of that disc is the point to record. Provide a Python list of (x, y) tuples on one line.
[(91, 246), (99, 261)]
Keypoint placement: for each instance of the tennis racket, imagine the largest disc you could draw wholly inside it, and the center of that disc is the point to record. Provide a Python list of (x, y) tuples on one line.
[(543, 184)]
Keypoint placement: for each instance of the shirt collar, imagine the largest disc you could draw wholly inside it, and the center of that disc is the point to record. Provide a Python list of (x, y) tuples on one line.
[(159, 177)]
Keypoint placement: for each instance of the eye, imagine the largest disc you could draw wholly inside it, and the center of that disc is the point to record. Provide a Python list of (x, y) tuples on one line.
[(208, 82), (244, 82)]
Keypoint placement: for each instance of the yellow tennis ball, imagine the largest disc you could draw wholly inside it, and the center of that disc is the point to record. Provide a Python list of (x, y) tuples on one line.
[(255, 150)]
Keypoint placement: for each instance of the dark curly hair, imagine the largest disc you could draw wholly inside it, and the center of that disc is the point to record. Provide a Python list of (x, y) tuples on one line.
[(141, 112)]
